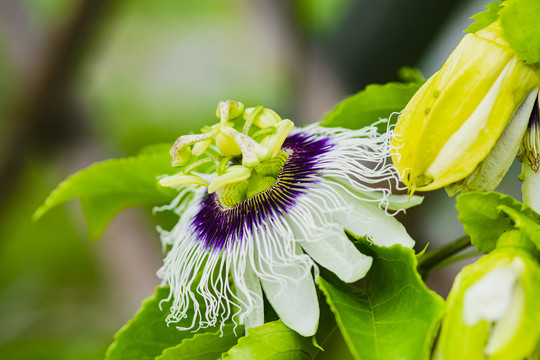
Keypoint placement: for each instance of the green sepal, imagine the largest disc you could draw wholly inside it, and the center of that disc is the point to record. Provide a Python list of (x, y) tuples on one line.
[(520, 21), (485, 18)]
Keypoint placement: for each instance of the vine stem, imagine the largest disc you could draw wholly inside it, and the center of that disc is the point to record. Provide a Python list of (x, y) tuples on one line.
[(432, 260)]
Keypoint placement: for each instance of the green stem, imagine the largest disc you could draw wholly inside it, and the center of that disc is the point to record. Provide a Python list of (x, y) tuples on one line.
[(448, 261), (430, 261)]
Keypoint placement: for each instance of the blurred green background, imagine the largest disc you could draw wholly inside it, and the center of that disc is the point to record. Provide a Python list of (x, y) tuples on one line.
[(84, 81)]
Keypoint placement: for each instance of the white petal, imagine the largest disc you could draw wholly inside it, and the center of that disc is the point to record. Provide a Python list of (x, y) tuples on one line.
[(295, 301), (338, 254), (383, 229), (507, 327), (497, 297), (397, 202), (250, 293), (489, 298)]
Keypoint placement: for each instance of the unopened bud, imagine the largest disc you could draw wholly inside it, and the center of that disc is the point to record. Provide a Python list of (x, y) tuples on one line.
[(492, 308), (453, 122)]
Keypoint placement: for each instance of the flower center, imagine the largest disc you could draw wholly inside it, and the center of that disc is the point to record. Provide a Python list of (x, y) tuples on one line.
[(241, 207), (262, 178), (256, 154)]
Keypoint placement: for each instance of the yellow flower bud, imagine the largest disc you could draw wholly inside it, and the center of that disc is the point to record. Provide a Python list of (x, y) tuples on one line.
[(492, 310), (452, 123)]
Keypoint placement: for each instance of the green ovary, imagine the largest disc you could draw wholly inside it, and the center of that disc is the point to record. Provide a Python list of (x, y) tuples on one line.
[(262, 178)]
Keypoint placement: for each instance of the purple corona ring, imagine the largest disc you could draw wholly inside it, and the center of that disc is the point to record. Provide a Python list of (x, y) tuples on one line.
[(225, 253)]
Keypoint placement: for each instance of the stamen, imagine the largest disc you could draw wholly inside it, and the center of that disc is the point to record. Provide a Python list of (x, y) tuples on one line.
[(275, 141), (182, 179), (251, 115), (229, 110), (181, 151), (231, 175), (188, 169), (252, 152), (531, 140)]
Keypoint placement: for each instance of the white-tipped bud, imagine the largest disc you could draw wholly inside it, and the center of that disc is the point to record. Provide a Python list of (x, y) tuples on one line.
[(492, 310)]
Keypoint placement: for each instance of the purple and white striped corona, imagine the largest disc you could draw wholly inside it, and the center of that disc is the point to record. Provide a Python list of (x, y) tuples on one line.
[(270, 230)]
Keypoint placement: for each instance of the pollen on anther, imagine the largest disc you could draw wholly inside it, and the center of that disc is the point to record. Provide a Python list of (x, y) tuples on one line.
[(531, 140)]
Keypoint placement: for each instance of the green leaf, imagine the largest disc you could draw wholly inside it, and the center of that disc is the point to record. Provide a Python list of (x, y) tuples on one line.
[(520, 21), (111, 186), (273, 340), (485, 18), (395, 316), (525, 224), (206, 346), (99, 210), (147, 335), (485, 216), (371, 104)]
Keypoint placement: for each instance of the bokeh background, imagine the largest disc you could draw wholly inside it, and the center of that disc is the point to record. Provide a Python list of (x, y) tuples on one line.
[(87, 80)]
